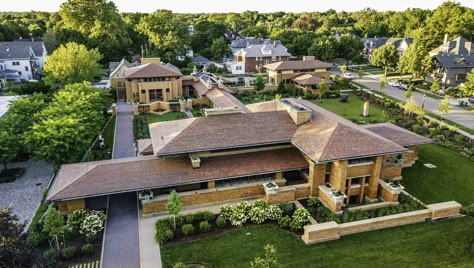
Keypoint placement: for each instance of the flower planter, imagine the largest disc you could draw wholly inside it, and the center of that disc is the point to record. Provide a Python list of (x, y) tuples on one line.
[(271, 188), (395, 186), (338, 196)]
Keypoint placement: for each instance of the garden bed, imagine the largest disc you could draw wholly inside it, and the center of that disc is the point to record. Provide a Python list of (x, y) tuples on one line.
[(141, 122), (11, 174)]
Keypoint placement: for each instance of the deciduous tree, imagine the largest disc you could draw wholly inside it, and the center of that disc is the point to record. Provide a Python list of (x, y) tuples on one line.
[(444, 106), (268, 260), (14, 251), (468, 87), (53, 225), (259, 83), (173, 206), (385, 56)]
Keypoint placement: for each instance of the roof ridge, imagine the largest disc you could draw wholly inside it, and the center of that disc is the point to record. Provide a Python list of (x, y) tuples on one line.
[(329, 141), (74, 180), (192, 124)]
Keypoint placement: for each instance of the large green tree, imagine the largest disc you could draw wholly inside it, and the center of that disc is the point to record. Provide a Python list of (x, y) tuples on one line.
[(71, 63), (468, 87), (220, 48), (9, 147), (324, 48), (206, 33), (165, 31), (349, 47), (14, 251), (415, 60), (100, 22), (385, 56)]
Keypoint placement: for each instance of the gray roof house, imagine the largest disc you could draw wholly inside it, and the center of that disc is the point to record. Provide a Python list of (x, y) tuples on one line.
[(453, 60)]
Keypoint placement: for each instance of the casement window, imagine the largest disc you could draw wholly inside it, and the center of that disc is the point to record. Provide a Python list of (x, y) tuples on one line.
[(267, 62), (26, 68), (460, 77)]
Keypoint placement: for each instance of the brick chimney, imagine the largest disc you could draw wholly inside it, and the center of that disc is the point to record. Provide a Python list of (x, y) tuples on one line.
[(308, 57)]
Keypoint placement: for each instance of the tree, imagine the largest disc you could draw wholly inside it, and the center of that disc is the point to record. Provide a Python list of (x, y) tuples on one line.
[(444, 106), (165, 31), (324, 48), (14, 251), (71, 63), (411, 106), (385, 56), (259, 83), (9, 147), (268, 260), (415, 60), (360, 73), (409, 92), (382, 83), (322, 89), (349, 47), (468, 86), (220, 48), (53, 224), (173, 206), (436, 85), (343, 68), (281, 87), (100, 22), (205, 33)]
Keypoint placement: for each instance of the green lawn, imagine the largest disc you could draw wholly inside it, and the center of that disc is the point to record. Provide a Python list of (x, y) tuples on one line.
[(453, 179), (352, 109), (140, 122), (102, 154), (439, 244)]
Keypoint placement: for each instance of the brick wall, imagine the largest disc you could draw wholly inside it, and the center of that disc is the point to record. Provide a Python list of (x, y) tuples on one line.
[(391, 171), (284, 194), (359, 170)]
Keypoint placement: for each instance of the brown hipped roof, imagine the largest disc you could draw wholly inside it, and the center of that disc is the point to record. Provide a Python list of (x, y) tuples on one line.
[(309, 80), (221, 131), (223, 99), (131, 174), (151, 70), (297, 65), (397, 134)]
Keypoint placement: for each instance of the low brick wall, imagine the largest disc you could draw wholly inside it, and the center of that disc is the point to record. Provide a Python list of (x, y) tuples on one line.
[(317, 233), (392, 171), (302, 191), (284, 194)]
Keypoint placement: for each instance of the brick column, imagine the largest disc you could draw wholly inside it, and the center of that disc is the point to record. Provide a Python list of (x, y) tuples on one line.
[(338, 175), (211, 184), (375, 177), (317, 174)]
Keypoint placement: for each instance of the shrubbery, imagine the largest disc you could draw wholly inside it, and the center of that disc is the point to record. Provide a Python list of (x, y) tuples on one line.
[(87, 249), (69, 253), (221, 222), (187, 229), (204, 226)]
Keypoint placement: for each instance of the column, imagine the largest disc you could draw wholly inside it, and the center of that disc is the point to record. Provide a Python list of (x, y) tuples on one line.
[(339, 174), (375, 177), (317, 175)]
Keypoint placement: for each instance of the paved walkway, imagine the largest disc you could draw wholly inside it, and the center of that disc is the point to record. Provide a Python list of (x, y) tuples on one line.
[(123, 143), (121, 238), (121, 243), (25, 194), (457, 114)]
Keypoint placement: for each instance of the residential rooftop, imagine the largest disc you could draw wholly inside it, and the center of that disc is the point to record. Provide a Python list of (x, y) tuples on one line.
[(151, 70), (298, 65)]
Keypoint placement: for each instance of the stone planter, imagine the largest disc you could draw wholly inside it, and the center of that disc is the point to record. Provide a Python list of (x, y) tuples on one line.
[(270, 188), (338, 196), (395, 186)]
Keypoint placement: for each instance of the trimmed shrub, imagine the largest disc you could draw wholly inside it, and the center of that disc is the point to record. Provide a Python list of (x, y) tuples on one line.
[(226, 211), (69, 252), (300, 218), (76, 218), (204, 216), (313, 202), (257, 215), (50, 258), (287, 208), (274, 213), (164, 233), (284, 222), (87, 249), (189, 218), (36, 239), (187, 229), (204, 226), (221, 222), (261, 203), (92, 223)]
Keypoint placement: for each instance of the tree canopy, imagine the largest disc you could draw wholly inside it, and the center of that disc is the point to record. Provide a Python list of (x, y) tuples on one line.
[(71, 63), (468, 87), (385, 56)]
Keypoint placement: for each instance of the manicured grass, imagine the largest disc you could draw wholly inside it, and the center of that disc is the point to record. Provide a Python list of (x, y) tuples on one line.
[(452, 179), (439, 244), (140, 122), (352, 109)]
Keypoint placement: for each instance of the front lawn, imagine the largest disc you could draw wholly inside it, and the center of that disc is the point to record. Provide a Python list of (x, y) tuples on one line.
[(140, 122), (439, 244), (452, 179), (352, 110)]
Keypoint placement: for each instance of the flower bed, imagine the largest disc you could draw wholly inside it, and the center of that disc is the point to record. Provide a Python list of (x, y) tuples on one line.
[(322, 214), (203, 224)]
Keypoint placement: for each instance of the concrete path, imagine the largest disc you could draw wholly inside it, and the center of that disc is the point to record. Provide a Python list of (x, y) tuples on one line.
[(123, 143), (457, 114), (121, 238), (121, 242)]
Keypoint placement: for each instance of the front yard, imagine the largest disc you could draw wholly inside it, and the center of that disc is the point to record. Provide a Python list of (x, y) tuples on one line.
[(140, 122), (438, 244)]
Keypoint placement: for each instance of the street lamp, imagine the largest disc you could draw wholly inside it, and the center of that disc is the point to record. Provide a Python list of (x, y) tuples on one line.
[(423, 103)]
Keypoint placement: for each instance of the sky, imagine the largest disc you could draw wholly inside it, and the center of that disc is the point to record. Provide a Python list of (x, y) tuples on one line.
[(210, 6)]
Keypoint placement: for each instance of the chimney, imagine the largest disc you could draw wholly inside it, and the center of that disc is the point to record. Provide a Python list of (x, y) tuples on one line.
[(446, 38), (195, 161), (151, 60), (274, 44), (308, 57), (299, 113), (225, 110), (220, 82)]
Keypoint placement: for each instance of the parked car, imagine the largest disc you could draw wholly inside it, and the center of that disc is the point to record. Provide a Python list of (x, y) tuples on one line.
[(403, 86), (393, 84), (348, 76), (240, 80), (471, 99)]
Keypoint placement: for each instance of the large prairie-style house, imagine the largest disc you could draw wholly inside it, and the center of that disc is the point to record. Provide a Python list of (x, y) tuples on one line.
[(233, 153), (453, 60), (306, 73), (23, 58), (252, 58)]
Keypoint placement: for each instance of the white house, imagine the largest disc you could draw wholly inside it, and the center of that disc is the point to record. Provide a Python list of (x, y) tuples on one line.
[(25, 57)]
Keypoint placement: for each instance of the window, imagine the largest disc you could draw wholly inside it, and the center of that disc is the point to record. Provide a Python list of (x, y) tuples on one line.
[(360, 161), (19, 73), (460, 77), (155, 94), (267, 61), (274, 58), (238, 68), (26, 68), (167, 90), (143, 91)]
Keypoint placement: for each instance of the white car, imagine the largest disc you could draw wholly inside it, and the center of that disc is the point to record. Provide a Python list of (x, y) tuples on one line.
[(393, 84), (348, 75)]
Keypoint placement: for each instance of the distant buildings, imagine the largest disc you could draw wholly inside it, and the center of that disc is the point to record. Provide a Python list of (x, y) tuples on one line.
[(22, 60), (370, 44), (453, 60)]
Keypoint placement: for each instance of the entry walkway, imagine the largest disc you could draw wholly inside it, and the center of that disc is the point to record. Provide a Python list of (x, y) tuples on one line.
[(121, 239)]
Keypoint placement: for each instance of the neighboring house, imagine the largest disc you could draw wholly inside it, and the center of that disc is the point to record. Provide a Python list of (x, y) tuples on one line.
[(5, 103), (452, 61), (8, 75), (200, 60), (306, 73), (117, 76), (252, 58), (230, 154), (401, 44), (370, 44), (19, 56)]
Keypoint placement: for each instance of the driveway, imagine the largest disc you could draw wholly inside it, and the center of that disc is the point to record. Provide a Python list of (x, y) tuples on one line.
[(121, 245), (25, 194), (123, 143), (458, 115)]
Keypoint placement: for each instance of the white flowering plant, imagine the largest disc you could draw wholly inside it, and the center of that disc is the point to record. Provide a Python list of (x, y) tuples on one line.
[(75, 219), (93, 223), (226, 211), (258, 215), (299, 219), (274, 213)]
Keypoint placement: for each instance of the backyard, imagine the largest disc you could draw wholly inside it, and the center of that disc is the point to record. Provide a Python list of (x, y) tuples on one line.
[(97, 153), (437, 244), (140, 122)]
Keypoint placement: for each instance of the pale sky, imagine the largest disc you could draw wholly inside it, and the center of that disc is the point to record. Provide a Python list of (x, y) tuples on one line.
[(208, 6)]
